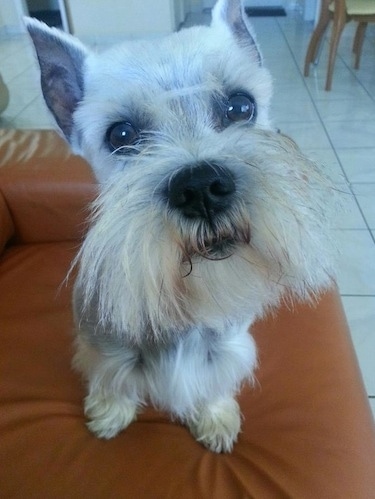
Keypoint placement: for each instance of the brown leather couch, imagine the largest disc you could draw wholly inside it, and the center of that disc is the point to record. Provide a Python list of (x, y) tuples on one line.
[(307, 432)]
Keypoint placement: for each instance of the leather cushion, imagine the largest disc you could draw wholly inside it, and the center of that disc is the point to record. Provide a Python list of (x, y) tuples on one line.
[(307, 429)]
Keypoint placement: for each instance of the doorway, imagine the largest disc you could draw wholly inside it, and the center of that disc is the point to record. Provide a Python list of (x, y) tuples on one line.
[(51, 12)]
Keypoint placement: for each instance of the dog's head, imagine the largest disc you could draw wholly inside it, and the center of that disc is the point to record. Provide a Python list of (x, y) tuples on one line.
[(176, 91), (204, 210)]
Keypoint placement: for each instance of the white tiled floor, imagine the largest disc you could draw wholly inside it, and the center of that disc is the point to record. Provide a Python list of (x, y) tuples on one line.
[(337, 128)]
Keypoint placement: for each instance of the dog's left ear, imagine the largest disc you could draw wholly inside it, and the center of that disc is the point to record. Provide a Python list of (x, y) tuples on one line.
[(231, 12), (61, 59)]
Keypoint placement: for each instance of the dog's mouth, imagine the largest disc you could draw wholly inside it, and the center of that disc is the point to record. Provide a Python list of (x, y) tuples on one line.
[(216, 245), (218, 248)]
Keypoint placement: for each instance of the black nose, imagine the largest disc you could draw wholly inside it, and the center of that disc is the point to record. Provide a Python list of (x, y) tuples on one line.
[(203, 190)]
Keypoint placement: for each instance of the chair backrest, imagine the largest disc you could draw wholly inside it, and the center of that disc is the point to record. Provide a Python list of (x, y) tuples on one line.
[(359, 7), (351, 8)]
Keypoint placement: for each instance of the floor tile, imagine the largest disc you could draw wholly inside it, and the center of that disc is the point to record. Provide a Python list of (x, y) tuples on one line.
[(365, 194), (13, 45), (328, 161), (286, 69), (11, 68), (19, 98), (28, 79), (342, 76), (307, 135), (356, 262), (27, 119), (349, 215), (285, 110), (353, 109), (268, 51), (351, 133), (360, 312), (340, 89), (358, 164), (283, 89)]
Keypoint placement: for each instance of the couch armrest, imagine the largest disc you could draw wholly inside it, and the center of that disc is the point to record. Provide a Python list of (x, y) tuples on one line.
[(6, 224), (45, 187)]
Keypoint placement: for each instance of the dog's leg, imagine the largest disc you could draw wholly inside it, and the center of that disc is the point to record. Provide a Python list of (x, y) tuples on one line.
[(199, 379), (110, 406), (231, 359), (217, 425)]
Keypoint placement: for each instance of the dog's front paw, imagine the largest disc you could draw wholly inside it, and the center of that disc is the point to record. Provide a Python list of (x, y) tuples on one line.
[(108, 416), (217, 425)]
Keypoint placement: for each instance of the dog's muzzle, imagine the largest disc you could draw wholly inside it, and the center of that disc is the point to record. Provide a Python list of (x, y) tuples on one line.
[(201, 191), (211, 222)]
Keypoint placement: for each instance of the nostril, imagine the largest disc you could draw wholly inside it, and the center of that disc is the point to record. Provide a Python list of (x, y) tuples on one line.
[(189, 196), (182, 197), (222, 187)]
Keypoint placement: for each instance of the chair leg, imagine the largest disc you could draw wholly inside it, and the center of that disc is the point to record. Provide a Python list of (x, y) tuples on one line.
[(337, 27), (358, 43), (317, 37)]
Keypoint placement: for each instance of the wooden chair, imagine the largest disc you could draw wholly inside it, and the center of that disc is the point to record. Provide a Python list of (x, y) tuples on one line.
[(340, 12)]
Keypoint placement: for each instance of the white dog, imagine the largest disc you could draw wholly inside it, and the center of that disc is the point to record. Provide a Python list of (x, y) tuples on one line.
[(206, 218)]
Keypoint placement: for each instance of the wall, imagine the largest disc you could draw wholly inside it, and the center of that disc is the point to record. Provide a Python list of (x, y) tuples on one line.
[(94, 19), (11, 12)]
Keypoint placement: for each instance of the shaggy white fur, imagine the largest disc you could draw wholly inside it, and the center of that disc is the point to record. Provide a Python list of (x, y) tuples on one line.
[(163, 301)]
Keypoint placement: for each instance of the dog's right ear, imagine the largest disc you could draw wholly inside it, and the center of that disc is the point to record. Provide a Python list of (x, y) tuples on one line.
[(232, 13), (61, 59)]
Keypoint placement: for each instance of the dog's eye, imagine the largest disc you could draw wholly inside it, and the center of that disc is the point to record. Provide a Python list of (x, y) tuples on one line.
[(240, 107), (121, 135)]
